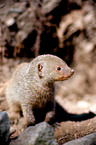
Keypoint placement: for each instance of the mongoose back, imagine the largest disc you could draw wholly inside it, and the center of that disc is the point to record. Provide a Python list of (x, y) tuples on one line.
[(32, 87)]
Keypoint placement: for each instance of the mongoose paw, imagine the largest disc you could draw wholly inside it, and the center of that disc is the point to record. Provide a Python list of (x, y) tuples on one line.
[(50, 116), (30, 121), (30, 124), (14, 121), (14, 118)]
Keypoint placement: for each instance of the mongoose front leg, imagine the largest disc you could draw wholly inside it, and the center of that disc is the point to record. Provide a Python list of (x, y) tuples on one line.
[(28, 114), (49, 115), (14, 113)]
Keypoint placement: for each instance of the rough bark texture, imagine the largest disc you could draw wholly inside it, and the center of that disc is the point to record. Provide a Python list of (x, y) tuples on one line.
[(71, 130)]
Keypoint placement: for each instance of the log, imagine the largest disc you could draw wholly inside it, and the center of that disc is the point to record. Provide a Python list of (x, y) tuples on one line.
[(71, 130)]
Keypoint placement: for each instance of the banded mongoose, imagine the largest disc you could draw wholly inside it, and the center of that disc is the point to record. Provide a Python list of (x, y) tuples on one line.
[(32, 86)]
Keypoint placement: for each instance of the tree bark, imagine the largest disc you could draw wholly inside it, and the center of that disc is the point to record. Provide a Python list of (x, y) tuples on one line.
[(71, 130)]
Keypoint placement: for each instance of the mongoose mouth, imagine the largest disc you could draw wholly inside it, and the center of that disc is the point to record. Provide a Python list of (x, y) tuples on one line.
[(62, 78), (65, 77)]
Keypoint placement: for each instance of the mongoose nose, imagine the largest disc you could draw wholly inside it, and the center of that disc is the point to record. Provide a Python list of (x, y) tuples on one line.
[(72, 72)]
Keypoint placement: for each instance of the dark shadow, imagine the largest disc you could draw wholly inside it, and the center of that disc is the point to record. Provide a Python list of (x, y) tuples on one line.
[(62, 115), (28, 44), (48, 42), (9, 50)]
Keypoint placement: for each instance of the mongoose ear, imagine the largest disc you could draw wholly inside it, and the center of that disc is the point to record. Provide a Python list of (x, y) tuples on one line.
[(40, 70)]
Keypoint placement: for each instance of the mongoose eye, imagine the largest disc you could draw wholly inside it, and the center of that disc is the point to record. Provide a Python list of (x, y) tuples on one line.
[(58, 68)]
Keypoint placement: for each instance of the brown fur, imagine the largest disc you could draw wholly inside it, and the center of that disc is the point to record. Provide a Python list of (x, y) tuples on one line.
[(31, 87)]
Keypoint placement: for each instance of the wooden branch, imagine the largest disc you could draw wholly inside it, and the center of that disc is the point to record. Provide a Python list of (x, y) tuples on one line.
[(70, 130)]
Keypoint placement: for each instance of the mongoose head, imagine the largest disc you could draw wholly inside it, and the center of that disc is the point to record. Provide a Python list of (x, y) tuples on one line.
[(52, 68)]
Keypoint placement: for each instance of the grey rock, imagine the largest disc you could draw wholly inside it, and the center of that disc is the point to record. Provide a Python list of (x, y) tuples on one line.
[(86, 140), (40, 134), (4, 127)]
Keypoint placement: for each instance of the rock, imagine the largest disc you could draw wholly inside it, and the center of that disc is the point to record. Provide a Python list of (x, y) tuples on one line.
[(40, 134), (10, 22), (86, 140), (4, 127)]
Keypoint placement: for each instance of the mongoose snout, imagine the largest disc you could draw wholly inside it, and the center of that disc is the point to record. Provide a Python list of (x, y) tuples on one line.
[(31, 87), (68, 73), (72, 71), (64, 72)]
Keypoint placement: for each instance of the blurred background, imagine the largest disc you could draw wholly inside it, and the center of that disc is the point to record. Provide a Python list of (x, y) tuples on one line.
[(66, 28)]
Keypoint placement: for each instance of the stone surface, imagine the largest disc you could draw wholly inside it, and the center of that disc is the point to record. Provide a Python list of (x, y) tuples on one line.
[(86, 140), (40, 134), (4, 127)]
